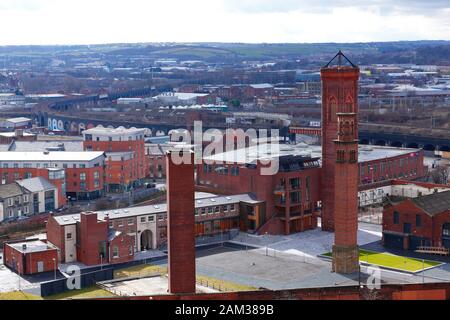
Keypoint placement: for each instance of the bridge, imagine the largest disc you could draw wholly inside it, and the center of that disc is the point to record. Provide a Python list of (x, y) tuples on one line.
[(385, 138), (76, 124)]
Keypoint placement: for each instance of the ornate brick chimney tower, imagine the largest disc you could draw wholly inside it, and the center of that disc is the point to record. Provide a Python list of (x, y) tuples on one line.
[(339, 90), (181, 222), (340, 161)]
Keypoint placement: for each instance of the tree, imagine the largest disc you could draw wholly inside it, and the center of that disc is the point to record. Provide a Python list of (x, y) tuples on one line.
[(440, 175)]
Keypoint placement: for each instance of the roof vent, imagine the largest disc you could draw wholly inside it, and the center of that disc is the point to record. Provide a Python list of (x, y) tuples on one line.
[(46, 152), (228, 198), (24, 247), (156, 207)]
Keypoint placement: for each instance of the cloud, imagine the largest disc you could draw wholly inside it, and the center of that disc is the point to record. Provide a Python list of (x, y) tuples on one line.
[(107, 21), (325, 6)]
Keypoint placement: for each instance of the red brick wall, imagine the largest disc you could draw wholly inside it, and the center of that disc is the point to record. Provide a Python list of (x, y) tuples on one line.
[(56, 236), (407, 212), (90, 233), (27, 263), (140, 162), (123, 242), (181, 226)]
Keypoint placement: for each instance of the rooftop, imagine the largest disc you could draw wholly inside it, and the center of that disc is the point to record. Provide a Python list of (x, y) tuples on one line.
[(18, 119), (434, 204), (202, 200), (266, 152), (100, 130), (10, 190), (36, 184), (31, 246), (51, 156)]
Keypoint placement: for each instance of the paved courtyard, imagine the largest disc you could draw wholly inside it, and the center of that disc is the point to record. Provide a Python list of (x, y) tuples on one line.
[(145, 286)]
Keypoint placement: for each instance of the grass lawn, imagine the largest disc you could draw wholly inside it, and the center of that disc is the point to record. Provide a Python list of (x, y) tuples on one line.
[(18, 295), (392, 261), (223, 285), (140, 271), (92, 292)]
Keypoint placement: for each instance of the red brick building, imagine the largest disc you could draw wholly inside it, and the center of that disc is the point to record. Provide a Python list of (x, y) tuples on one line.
[(80, 174), (30, 257), (421, 221), (87, 239), (126, 161), (146, 225)]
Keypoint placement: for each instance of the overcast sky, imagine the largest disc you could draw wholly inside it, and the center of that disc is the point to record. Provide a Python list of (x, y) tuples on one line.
[(109, 21)]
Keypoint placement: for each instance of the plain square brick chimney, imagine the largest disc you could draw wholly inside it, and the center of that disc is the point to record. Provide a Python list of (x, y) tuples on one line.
[(181, 222)]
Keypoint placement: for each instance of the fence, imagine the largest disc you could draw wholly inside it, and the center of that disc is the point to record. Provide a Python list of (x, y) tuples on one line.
[(86, 280), (212, 285)]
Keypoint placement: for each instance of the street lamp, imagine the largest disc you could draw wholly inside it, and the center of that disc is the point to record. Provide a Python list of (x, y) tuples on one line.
[(267, 245)]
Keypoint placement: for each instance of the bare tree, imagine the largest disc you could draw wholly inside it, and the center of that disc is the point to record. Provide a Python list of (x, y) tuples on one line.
[(440, 175)]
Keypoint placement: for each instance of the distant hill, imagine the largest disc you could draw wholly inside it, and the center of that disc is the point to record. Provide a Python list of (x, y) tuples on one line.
[(423, 52)]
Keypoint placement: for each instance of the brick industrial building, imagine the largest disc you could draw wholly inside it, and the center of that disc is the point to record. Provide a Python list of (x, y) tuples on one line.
[(423, 221), (146, 225), (292, 198), (30, 257)]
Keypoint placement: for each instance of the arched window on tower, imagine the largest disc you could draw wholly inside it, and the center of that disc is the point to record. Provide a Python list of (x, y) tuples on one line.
[(332, 109), (349, 105)]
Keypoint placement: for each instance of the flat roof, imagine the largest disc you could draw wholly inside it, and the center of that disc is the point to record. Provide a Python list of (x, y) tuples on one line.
[(271, 151), (203, 200), (31, 246), (18, 119), (51, 156), (113, 131)]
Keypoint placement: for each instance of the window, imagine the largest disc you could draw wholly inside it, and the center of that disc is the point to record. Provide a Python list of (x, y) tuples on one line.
[(210, 210), (115, 252), (111, 225), (10, 202), (131, 250), (352, 156), (82, 185), (295, 183), (235, 171), (96, 184), (130, 222), (26, 210), (10, 213), (151, 218), (143, 219), (396, 217), (196, 212), (340, 156), (120, 223), (225, 208), (232, 207), (69, 236), (418, 220), (203, 211), (16, 165), (216, 209), (83, 176), (25, 198), (96, 175), (5, 166)]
